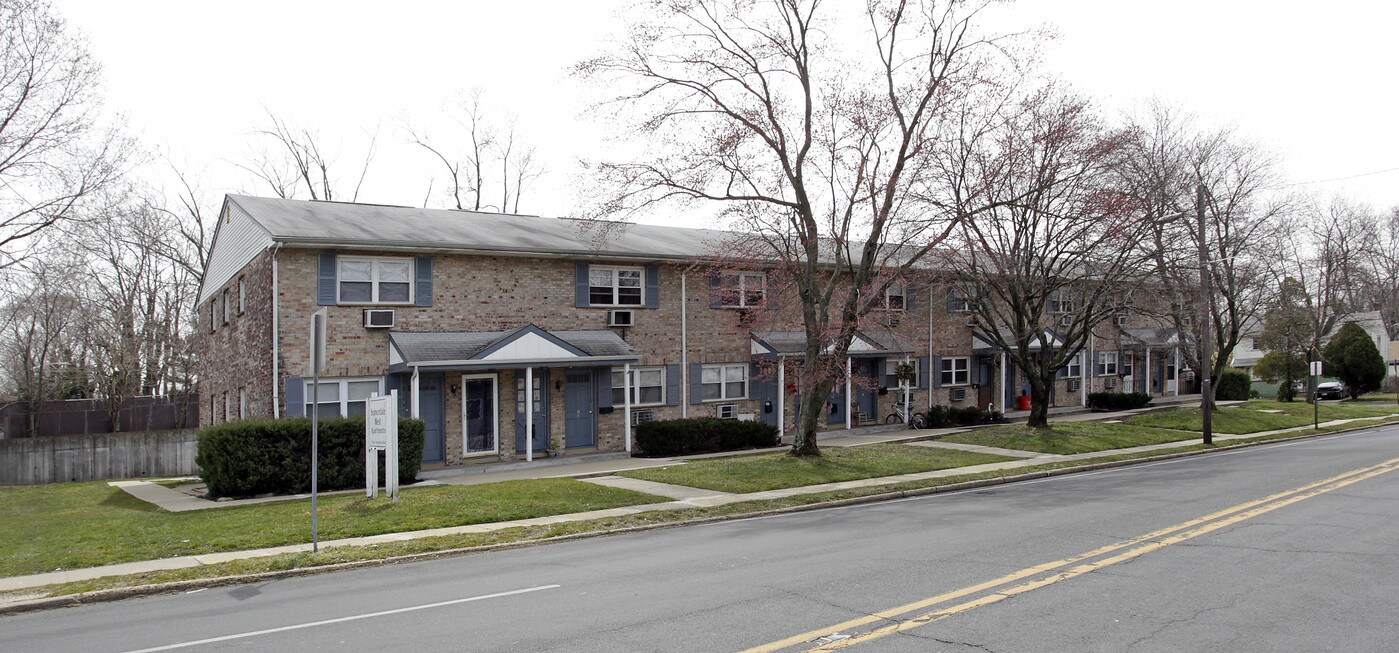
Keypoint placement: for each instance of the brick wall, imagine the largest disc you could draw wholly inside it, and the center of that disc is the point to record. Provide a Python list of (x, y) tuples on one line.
[(238, 355)]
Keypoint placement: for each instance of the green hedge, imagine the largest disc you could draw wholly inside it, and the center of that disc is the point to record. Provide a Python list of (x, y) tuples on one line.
[(945, 416), (1233, 384), (252, 457), (678, 437), (1118, 400)]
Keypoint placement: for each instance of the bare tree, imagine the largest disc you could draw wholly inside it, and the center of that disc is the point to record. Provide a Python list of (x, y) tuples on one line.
[(42, 319), (53, 153), (1058, 254), (1327, 250), (825, 155), (480, 145), (292, 158), (1169, 158)]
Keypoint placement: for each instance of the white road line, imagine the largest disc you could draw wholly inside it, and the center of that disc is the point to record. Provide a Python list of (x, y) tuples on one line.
[(255, 633)]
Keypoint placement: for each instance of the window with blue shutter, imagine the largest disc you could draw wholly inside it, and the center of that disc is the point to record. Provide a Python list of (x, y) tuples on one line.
[(325, 280), (653, 286), (696, 391), (923, 372), (295, 395), (672, 384), (423, 278), (580, 285)]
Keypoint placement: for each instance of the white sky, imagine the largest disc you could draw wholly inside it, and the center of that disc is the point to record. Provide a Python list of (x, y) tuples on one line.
[(1313, 81)]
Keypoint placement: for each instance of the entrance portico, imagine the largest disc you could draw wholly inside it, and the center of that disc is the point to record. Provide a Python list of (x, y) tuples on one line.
[(548, 388)]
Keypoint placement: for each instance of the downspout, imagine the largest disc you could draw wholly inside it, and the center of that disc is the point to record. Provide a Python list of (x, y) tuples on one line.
[(684, 351), (276, 339)]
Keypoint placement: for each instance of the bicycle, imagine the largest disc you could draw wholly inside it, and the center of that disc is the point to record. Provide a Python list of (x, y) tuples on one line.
[(900, 416)]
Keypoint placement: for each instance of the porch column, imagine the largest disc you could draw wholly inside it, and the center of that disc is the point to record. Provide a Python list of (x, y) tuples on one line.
[(781, 395), (1083, 359), (1005, 385), (529, 414), (413, 398), (1177, 366), (1146, 378), (626, 403), (849, 395), (908, 390)]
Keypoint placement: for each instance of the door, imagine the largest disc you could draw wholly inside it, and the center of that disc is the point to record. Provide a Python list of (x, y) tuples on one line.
[(762, 387), (430, 409), (986, 390), (866, 381), (579, 397), (479, 416), (541, 411), (1170, 378)]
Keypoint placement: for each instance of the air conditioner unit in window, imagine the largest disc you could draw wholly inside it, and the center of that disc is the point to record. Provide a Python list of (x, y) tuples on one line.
[(1121, 320), (958, 394), (1110, 382), (1066, 320), (641, 416), (971, 320), (1073, 385), (621, 318), (378, 318), (893, 319), (726, 411)]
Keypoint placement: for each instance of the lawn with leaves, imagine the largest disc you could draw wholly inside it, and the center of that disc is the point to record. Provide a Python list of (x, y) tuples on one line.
[(1251, 417), (1067, 437), (70, 525), (744, 474)]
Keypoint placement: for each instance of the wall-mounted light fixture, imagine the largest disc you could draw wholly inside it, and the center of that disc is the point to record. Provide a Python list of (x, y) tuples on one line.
[(455, 387)]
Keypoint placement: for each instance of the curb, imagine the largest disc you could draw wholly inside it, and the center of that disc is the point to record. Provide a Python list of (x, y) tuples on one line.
[(116, 594)]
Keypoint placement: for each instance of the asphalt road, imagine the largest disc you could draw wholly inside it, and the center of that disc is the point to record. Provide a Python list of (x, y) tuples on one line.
[(1273, 570)]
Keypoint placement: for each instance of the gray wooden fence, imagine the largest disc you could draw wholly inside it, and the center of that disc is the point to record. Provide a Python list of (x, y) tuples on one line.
[(54, 459)]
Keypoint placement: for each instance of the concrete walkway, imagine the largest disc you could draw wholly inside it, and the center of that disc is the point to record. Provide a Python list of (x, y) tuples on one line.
[(682, 497)]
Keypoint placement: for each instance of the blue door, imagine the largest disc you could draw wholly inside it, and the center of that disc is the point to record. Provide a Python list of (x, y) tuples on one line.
[(762, 386), (541, 411), (579, 425), (430, 409), (866, 373)]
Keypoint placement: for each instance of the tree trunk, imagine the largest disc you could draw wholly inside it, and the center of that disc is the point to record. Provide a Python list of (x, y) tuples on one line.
[(1039, 405), (811, 411)]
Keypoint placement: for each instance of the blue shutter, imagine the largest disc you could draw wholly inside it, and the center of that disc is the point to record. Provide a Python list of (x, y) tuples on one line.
[(296, 397), (653, 286), (936, 372), (325, 280), (695, 390), (924, 371), (910, 297), (604, 387), (423, 285), (394, 382), (580, 285), (716, 284), (672, 384)]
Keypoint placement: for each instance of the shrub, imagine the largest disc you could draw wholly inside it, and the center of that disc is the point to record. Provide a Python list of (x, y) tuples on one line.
[(274, 456), (1118, 400), (945, 416), (1233, 384), (1353, 359), (678, 437)]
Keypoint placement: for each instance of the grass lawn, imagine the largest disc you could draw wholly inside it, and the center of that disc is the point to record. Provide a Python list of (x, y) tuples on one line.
[(1249, 418), (744, 474), (1067, 437), (70, 525)]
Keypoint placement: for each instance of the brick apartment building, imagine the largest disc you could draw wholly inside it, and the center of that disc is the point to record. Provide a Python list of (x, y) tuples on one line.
[(461, 312)]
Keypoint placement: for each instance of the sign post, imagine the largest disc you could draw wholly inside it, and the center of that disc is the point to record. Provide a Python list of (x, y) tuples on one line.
[(317, 362), (381, 434), (1316, 398)]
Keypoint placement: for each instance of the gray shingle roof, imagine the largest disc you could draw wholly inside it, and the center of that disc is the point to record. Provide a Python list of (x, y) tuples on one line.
[(378, 226)]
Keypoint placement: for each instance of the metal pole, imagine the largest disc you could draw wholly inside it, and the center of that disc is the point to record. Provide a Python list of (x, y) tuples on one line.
[(626, 403), (1206, 337), (315, 439), (781, 397), (849, 387)]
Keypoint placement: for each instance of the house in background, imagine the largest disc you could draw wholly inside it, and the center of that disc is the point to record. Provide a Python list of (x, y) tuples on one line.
[(1248, 353)]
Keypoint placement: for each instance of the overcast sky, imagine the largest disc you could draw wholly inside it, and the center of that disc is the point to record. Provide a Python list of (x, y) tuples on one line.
[(1313, 81)]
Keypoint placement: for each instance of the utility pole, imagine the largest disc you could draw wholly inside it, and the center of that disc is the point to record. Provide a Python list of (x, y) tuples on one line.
[(1206, 335)]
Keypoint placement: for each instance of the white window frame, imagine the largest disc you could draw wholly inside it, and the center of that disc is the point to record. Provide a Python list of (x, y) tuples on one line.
[(740, 290), (344, 394), (724, 370), (227, 306), (891, 371), (1061, 304), (636, 388), (374, 281), (214, 314), (1074, 368), (946, 371), (889, 294), (242, 294), (243, 402), (227, 407), (961, 303), (1107, 363), (616, 285), (495, 419)]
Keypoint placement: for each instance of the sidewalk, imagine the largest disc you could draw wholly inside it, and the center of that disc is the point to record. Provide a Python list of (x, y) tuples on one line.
[(604, 472)]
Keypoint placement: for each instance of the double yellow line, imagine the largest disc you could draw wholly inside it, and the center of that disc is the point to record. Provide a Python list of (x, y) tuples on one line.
[(1060, 570)]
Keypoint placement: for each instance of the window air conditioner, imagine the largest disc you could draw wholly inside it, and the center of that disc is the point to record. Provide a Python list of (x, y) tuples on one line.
[(726, 411), (893, 320), (642, 416), (621, 318), (1073, 385), (971, 320), (1110, 382), (1066, 320), (378, 318), (958, 394), (1121, 320)]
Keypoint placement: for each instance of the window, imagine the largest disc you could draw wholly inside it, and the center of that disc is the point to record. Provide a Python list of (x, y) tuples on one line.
[(1075, 367), (343, 397), (227, 307), (648, 386), (375, 280), (213, 315), (895, 297), (1107, 363), (958, 302), (227, 409), (742, 289), (615, 286), (956, 370), (723, 382), (891, 372), (1061, 303), (1125, 365), (243, 402), (242, 295)]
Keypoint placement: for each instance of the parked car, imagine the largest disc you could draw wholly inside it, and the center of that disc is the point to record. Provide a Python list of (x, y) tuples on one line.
[(1330, 390)]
